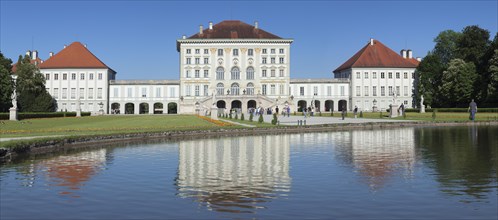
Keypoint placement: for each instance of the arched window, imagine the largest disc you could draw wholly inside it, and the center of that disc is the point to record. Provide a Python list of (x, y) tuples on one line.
[(220, 89), (220, 73), (234, 89), (250, 73), (235, 73), (250, 89)]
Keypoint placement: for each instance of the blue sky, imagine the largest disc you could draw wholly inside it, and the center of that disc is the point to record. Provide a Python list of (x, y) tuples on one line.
[(138, 38)]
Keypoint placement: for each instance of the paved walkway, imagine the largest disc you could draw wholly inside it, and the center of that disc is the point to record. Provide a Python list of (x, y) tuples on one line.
[(233, 122), (292, 120), (26, 138)]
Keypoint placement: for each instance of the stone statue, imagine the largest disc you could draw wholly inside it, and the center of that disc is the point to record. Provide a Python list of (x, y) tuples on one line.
[(214, 98), (421, 100), (14, 99)]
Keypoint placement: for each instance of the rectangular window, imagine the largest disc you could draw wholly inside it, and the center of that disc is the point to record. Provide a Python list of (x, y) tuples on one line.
[(73, 93), (206, 60), (358, 91), (100, 76), (390, 75), (397, 75), (250, 52), (206, 73), (172, 92), (188, 51), (206, 51), (187, 73), (188, 61), (82, 93), (281, 60), (116, 90), (82, 76), (47, 76), (206, 90), (397, 91), (382, 91), (382, 76), (56, 76), (264, 89), (272, 73), (366, 90), (90, 76), (357, 75), (64, 76), (405, 75), (406, 90), (235, 52), (90, 93), (197, 60), (329, 90), (281, 73), (130, 93), (282, 89), (158, 92), (264, 60), (220, 52), (315, 90), (144, 92), (56, 93), (197, 73), (187, 90), (64, 93), (273, 60), (374, 90), (366, 75), (263, 73), (264, 51), (99, 93), (301, 90), (343, 91), (196, 90), (281, 51), (73, 76), (374, 75), (272, 89), (197, 51), (272, 51), (390, 91)]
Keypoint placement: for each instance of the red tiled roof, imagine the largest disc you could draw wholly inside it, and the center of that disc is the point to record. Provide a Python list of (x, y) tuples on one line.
[(377, 55), (73, 56), (36, 61), (233, 29)]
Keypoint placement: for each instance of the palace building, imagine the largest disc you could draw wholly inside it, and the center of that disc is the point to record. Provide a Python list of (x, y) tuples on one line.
[(233, 65)]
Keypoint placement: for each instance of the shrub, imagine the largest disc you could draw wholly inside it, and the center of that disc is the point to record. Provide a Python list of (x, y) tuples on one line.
[(380, 114), (319, 113), (331, 113), (260, 120), (434, 114), (250, 117), (295, 113), (275, 119), (236, 116), (242, 117), (28, 115), (230, 115), (361, 114)]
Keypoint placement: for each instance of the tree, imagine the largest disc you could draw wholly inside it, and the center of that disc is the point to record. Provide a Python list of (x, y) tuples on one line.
[(429, 73), (30, 86), (446, 45), (492, 89), (6, 63), (487, 76), (6, 87), (457, 83), (472, 44)]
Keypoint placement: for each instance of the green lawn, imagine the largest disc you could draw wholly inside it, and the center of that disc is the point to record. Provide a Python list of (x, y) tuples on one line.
[(111, 124)]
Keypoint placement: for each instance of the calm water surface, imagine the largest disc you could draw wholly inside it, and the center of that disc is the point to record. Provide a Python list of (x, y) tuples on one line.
[(415, 173)]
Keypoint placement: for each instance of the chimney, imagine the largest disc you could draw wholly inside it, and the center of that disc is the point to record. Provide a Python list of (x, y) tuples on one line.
[(28, 53), (210, 25), (65, 46), (256, 25), (371, 41), (84, 45), (419, 59), (403, 53), (200, 29), (184, 37), (410, 55), (35, 55), (50, 54)]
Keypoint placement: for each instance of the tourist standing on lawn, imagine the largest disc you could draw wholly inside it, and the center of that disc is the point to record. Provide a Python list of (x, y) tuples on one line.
[(472, 110)]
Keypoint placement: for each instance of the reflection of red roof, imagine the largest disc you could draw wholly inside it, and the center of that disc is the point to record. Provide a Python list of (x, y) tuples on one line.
[(36, 61), (377, 55), (233, 29), (73, 56)]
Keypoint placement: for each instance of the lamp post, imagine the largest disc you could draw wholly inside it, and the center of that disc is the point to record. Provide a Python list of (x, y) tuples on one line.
[(13, 110)]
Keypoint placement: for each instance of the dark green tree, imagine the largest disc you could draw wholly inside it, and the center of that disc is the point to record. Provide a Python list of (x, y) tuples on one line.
[(429, 73), (457, 83), (446, 45), (6, 62), (492, 89), (30, 86), (6, 86)]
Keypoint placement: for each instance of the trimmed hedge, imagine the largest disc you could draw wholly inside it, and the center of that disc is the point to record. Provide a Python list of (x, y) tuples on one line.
[(28, 115)]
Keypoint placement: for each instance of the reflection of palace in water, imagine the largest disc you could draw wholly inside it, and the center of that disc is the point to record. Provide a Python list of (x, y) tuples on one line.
[(381, 154), (236, 174)]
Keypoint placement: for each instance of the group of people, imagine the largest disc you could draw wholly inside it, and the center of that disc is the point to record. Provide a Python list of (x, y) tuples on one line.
[(309, 111), (269, 111)]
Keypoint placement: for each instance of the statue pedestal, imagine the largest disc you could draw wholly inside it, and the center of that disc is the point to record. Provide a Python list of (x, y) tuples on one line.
[(374, 109), (393, 111), (13, 114), (78, 113), (214, 113), (422, 109)]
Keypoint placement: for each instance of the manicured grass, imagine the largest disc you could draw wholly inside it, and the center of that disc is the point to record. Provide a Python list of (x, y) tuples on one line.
[(254, 122), (94, 125), (440, 116)]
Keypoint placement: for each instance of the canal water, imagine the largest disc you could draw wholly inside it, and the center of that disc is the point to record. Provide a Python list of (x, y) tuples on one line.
[(403, 173)]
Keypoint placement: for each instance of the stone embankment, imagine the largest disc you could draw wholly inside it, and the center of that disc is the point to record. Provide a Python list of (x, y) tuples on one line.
[(57, 144)]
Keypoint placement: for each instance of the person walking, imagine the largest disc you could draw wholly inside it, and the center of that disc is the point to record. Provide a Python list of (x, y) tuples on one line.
[(343, 111), (472, 110), (288, 111), (276, 110), (355, 111)]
